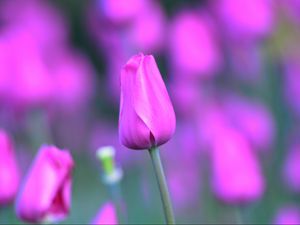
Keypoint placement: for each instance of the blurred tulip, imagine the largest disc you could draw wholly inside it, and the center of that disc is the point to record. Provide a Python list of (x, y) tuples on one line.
[(147, 31), (147, 118), (32, 83), (193, 49), (46, 192), (252, 119), (287, 215), (237, 16), (39, 19), (106, 215), (291, 168), (186, 96), (73, 77), (121, 11), (9, 171), (237, 178)]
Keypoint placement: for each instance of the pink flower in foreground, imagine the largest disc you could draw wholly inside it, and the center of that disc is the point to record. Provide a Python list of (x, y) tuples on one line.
[(287, 215), (46, 191), (9, 172), (237, 176), (106, 215), (147, 116)]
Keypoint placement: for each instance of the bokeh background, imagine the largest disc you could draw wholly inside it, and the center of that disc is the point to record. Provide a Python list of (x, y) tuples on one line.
[(226, 63)]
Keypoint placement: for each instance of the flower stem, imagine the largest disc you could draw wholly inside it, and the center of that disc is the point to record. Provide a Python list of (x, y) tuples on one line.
[(238, 216), (162, 183)]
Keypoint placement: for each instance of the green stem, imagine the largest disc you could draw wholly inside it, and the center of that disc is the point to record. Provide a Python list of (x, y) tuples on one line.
[(238, 215), (163, 187)]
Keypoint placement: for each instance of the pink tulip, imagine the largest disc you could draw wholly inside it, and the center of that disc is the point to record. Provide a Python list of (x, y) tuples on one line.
[(291, 169), (287, 215), (252, 119), (32, 84), (73, 78), (237, 176), (121, 11), (147, 30), (46, 191), (238, 18), (106, 215), (147, 117), (193, 48), (9, 172)]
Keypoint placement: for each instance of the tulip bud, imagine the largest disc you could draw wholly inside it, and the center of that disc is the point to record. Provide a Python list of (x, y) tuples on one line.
[(46, 191), (236, 173), (106, 215), (147, 117), (9, 173)]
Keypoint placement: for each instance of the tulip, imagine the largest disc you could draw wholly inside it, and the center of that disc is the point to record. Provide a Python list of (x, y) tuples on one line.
[(121, 11), (291, 168), (9, 173), (193, 48), (34, 86), (287, 215), (106, 215), (73, 78), (46, 192), (147, 31), (147, 117), (236, 16), (252, 119), (237, 176)]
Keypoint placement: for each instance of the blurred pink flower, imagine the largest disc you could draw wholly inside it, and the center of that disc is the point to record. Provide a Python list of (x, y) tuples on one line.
[(237, 16), (46, 191), (237, 178), (289, 214), (121, 11), (185, 95), (252, 119), (291, 169), (147, 116), (106, 215), (192, 45), (73, 77), (32, 83), (9, 171), (39, 18), (146, 32)]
